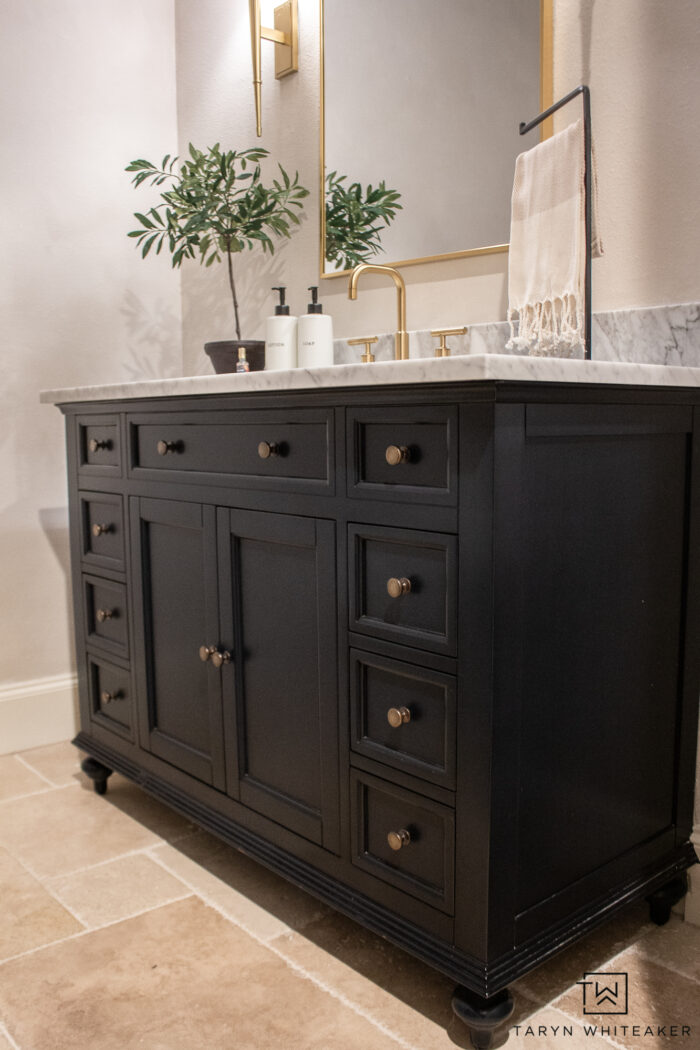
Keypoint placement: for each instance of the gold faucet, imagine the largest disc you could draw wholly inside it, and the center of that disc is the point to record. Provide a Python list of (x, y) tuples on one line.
[(401, 337)]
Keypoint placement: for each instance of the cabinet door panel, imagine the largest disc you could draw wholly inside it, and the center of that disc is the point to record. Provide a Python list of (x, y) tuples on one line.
[(280, 691), (176, 613)]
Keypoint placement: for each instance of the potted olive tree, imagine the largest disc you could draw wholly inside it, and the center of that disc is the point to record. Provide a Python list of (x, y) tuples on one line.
[(213, 206)]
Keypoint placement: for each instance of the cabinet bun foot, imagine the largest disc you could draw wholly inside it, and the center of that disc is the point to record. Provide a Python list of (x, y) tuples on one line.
[(661, 901), (97, 773), (482, 1016)]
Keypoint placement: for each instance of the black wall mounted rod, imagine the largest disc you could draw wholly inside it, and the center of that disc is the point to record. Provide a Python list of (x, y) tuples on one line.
[(584, 90)]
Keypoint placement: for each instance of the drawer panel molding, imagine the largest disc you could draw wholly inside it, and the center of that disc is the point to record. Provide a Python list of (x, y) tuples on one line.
[(290, 451), (403, 586), (403, 453), (102, 530), (111, 696), (99, 446), (404, 839), (403, 716), (106, 616)]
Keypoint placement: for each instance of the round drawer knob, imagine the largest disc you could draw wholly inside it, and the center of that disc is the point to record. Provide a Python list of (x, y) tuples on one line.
[(398, 716), (97, 444), (398, 839), (220, 658), (101, 530), (104, 614), (108, 698), (164, 447), (396, 454), (266, 449), (396, 587), (206, 652)]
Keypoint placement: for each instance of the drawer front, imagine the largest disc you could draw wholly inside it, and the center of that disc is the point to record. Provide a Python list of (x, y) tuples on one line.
[(291, 450), (110, 694), (406, 454), (403, 716), (106, 624), (403, 586), (404, 839), (102, 528), (99, 446)]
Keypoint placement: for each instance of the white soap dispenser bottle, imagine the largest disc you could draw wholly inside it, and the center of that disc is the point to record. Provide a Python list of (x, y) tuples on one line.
[(280, 336), (314, 336)]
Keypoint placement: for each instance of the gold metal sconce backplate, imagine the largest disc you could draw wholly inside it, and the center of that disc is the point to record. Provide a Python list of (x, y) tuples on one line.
[(286, 55)]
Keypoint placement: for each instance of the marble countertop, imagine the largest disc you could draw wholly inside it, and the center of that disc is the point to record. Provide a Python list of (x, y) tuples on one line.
[(464, 369)]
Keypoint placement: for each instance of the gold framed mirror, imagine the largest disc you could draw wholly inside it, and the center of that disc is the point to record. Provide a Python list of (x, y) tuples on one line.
[(422, 103)]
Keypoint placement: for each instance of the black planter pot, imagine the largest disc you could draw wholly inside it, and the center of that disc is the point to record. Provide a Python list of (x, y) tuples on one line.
[(224, 354)]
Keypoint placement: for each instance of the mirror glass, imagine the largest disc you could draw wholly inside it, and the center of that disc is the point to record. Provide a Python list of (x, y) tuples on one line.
[(422, 102)]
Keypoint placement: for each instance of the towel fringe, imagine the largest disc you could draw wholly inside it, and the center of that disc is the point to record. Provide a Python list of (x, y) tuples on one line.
[(548, 328)]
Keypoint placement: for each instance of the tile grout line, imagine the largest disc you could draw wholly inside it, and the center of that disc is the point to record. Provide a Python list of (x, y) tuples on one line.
[(527, 993), (31, 768), (533, 997), (114, 922), (67, 907), (5, 1032), (295, 967), (665, 965), (34, 794), (99, 864), (93, 929), (45, 880), (579, 1024)]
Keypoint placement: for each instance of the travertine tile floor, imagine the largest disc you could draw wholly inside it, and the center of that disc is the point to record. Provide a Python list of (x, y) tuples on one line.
[(124, 927)]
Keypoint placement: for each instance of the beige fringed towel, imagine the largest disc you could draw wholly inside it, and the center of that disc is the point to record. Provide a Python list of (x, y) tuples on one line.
[(547, 262)]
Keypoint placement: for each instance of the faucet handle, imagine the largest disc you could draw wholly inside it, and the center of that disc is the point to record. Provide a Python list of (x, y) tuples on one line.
[(443, 349), (366, 341)]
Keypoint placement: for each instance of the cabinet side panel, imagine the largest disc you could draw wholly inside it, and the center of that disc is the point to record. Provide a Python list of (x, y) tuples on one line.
[(602, 540)]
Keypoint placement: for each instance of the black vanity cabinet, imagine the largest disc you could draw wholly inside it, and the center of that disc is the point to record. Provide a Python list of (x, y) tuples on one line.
[(431, 652)]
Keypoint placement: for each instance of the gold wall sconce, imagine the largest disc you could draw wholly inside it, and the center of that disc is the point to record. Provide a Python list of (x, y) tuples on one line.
[(285, 37)]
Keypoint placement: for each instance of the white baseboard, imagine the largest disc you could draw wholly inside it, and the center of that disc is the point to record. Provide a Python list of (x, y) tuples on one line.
[(692, 898), (40, 711)]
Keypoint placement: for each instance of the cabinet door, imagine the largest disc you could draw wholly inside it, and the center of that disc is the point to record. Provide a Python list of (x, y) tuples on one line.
[(278, 608), (176, 613)]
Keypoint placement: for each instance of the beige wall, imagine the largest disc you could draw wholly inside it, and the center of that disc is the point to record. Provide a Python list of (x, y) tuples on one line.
[(640, 59), (85, 86)]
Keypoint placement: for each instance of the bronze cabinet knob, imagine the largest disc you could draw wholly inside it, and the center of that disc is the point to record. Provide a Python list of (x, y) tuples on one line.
[(104, 614), (220, 658), (98, 444), (398, 839), (101, 530), (396, 587), (398, 716), (266, 449), (108, 698), (164, 447), (396, 454), (206, 652)]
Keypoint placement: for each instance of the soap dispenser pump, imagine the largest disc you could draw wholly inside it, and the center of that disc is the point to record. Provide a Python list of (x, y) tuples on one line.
[(280, 336), (314, 335)]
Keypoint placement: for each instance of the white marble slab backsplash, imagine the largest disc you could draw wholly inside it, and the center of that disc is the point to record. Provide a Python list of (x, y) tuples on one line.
[(665, 335)]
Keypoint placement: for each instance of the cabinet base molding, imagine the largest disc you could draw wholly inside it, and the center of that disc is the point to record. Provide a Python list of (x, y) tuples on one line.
[(485, 981), (37, 712)]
